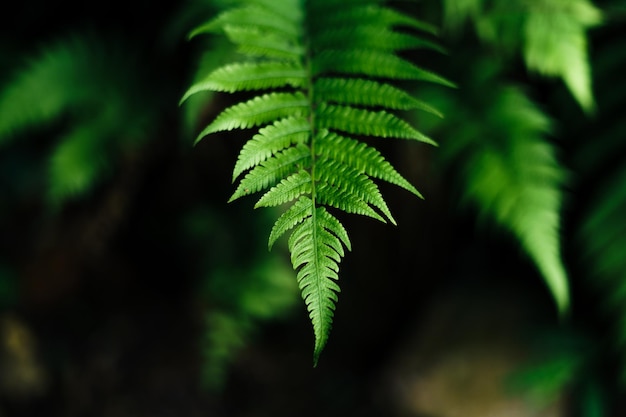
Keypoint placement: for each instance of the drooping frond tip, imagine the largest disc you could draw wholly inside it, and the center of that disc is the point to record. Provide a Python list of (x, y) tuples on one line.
[(511, 175), (322, 74)]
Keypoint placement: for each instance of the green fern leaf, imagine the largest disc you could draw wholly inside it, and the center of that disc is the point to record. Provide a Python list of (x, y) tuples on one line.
[(509, 172), (367, 122), (296, 157), (361, 92), (299, 211), (272, 170), (362, 158), (256, 42), (258, 111), (550, 35), (271, 139), (253, 15), (348, 179), (346, 200), (556, 44), (314, 250), (248, 76), (375, 36), (372, 64), (84, 81), (287, 190), (47, 89)]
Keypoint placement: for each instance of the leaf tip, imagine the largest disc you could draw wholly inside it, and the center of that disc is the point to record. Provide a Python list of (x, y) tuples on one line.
[(198, 139), (316, 355)]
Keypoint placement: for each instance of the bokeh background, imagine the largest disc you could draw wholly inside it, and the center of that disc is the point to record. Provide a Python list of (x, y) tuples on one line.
[(130, 288)]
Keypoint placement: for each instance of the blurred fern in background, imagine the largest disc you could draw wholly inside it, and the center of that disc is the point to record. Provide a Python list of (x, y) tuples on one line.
[(506, 168), (239, 296), (532, 172), (550, 35), (601, 232), (102, 109)]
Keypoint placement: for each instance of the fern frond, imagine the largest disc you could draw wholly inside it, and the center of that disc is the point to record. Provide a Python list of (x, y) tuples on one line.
[(528, 199), (83, 80), (334, 74), (510, 174), (47, 88), (550, 35), (556, 44)]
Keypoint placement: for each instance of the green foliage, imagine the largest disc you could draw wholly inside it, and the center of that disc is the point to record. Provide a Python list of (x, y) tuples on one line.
[(239, 295), (601, 234), (551, 38), (493, 133), (321, 74), (559, 360), (264, 291), (563, 360), (556, 45), (82, 82), (549, 34)]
